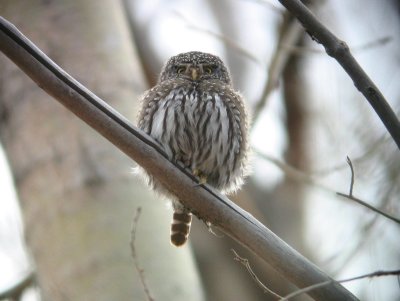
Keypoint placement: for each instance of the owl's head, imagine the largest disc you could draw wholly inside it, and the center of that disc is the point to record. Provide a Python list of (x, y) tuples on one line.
[(195, 66)]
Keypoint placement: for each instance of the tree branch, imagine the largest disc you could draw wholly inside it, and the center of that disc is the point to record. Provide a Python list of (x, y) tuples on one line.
[(322, 284), (303, 177), (340, 51), (301, 50), (207, 203), (290, 33), (245, 262), (350, 196), (136, 258), (294, 173)]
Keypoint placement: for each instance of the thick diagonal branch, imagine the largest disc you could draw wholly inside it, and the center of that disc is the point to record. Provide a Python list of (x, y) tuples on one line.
[(205, 202), (340, 51)]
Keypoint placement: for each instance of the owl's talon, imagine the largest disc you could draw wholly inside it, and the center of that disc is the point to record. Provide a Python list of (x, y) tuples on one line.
[(202, 178), (196, 172)]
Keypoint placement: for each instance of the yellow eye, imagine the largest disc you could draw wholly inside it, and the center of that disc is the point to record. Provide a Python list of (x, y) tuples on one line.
[(180, 70), (208, 69)]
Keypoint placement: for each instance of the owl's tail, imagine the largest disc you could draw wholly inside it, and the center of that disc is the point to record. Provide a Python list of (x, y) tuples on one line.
[(180, 227)]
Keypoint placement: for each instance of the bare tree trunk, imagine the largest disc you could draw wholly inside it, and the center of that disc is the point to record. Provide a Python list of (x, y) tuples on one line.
[(292, 192), (76, 190), (227, 20), (151, 63), (288, 196)]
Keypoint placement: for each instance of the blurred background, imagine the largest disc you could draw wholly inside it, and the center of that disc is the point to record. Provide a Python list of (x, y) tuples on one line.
[(68, 197)]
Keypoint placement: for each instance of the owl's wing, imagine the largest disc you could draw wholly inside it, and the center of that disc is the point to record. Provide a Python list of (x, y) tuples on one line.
[(149, 101)]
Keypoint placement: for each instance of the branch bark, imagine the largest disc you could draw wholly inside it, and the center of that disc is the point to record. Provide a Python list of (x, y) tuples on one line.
[(205, 202), (340, 51)]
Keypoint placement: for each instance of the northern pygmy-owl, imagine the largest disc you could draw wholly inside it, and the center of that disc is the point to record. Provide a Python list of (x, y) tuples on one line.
[(199, 120)]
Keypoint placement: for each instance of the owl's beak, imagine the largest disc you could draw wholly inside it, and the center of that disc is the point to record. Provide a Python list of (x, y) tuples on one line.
[(194, 73)]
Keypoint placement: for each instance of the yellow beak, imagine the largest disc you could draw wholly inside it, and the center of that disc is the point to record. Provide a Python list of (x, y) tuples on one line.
[(194, 73)]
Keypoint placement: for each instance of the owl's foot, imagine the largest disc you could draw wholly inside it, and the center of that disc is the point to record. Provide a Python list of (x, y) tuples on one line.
[(201, 176)]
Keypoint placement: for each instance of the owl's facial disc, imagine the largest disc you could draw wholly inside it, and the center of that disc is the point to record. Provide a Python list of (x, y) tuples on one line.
[(200, 71), (190, 71), (195, 66)]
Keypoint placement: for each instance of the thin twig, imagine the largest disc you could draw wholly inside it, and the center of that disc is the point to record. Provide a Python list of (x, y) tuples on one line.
[(228, 42), (301, 176), (304, 50), (364, 234), (325, 283), (340, 51), (294, 173), (135, 256), (352, 175), (382, 141), (290, 34), (245, 262), (350, 196), (361, 202), (210, 229), (372, 44)]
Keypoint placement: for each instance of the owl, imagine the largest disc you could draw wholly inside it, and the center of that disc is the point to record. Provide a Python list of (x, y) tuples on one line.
[(200, 121)]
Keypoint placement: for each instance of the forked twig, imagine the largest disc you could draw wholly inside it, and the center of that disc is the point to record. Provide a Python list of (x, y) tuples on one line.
[(246, 263), (210, 229), (135, 257), (301, 176), (350, 196)]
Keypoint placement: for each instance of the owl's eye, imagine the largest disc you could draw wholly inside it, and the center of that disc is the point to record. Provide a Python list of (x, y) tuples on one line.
[(208, 69), (180, 69)]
